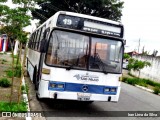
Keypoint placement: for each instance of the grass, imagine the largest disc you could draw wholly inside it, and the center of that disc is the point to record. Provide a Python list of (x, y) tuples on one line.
[(16, 72), (25, 89), (142, 82), (14, 107), (9, 73), (15, 56), (3, 60)]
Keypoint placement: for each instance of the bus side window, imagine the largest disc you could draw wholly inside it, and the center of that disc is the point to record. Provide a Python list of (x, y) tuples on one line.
[(44, 40), (41, 36), (33, 40), (38, 39)]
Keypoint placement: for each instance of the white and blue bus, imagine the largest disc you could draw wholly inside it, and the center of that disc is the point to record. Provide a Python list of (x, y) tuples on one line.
[(79, 57)]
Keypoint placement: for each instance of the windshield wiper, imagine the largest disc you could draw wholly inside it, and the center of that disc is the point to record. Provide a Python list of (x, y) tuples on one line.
[(69, 67), (101, 63), (103, 66)]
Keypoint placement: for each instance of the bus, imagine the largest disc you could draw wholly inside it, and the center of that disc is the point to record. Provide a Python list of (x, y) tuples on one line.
[(73, 56)]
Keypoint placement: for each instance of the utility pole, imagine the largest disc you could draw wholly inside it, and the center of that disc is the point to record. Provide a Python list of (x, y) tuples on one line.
[(138, 45)]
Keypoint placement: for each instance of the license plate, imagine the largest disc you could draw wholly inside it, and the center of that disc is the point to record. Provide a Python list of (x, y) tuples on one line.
[(83, 96)]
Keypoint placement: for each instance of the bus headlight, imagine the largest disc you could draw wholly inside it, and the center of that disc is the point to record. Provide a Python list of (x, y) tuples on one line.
[(53, 85), (107, 89), (60, 86), (113, 89)]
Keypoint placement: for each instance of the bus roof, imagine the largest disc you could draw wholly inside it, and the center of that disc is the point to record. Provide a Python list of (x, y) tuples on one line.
[(84, 16), (90, 17), (115, 27)]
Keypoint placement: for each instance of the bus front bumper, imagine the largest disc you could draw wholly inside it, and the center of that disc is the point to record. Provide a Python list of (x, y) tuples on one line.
[(82, 96)]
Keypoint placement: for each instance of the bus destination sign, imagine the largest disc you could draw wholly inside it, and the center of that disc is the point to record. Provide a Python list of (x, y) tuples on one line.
[(89, 25)]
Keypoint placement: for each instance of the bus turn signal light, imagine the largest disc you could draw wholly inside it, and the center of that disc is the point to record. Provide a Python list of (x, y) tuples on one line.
[(120, 78), (45, 71)]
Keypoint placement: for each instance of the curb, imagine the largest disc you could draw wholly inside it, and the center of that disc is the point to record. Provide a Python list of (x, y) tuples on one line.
[(25, 96), (144, 88)]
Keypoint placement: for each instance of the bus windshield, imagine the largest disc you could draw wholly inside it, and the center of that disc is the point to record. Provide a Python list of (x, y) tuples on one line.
[(79, 51)]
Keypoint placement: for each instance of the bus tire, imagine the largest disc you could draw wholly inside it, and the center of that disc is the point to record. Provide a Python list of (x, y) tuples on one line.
[(36, 80), (34, 75), (39, 99), (27, 69)]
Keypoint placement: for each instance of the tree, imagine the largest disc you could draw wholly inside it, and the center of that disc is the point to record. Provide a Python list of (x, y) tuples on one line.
[(110, 9), (126, 56), (137, 65), (15, 20)]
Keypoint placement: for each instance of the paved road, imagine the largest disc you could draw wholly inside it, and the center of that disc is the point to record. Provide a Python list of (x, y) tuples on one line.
[(131, 99)]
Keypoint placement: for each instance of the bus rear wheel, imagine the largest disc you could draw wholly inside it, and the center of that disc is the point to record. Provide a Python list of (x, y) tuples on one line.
[(35, 81), (37, 96)]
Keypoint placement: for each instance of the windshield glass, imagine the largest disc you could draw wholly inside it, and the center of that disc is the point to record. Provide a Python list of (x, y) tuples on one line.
[(68, 49), (106, 55), (79, 51)]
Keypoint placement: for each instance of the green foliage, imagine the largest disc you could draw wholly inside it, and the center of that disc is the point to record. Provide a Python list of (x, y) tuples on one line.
[(25, 88), (110, 9), (9, 73), (3, 60), (3, 9), (15, 56), (152, 83), (15, 20), (156, 90), (131, 81), (137, 65), (141, 82), (126, 56), (14, 107), (16, 72), (4, 82)]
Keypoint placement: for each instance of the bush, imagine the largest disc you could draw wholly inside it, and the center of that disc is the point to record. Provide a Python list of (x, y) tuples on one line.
[(142, 83), (9, 73), (4, 82), (132, 81), (156, 90), (152, 83)]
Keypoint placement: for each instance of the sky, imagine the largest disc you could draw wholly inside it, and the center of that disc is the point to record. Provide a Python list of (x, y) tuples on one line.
[(141, 20)]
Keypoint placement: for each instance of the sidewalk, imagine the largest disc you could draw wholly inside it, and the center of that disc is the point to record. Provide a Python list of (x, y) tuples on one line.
[(33, 102)]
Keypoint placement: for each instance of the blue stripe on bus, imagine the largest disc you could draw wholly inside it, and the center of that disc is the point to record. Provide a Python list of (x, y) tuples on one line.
[(76, 87)]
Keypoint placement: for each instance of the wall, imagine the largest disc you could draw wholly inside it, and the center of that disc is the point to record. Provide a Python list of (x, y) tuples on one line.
[(152, 72)]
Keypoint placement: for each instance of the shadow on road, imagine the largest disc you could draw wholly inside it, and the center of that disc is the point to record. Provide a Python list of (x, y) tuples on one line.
[(65, 108), (66, 104)]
